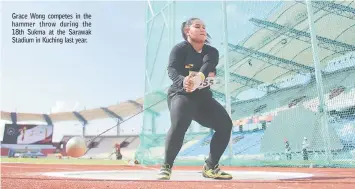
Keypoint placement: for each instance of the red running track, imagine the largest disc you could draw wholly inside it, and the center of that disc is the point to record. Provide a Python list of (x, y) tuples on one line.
[(21, 176)]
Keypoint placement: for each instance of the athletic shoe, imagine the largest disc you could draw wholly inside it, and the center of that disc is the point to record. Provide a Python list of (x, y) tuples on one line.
[(165, 172), (215, 173)]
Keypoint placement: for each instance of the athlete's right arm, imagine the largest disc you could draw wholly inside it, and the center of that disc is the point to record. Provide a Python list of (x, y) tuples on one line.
[(175, 67)]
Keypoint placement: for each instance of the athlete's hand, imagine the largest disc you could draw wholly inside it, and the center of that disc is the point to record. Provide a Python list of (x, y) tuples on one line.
[(188, 83), (211, 74), (197, 80)]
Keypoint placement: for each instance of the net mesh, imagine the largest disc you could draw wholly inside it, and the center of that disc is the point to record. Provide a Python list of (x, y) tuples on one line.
[(279, 119)]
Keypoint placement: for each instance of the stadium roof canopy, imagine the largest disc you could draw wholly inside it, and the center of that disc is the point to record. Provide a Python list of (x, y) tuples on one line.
[(280, 48), (119, 112)]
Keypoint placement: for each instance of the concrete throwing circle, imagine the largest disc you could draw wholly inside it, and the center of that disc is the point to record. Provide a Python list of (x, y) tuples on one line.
[(177, 175)]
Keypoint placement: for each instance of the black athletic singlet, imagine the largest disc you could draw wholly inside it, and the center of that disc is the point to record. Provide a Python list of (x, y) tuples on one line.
[(184, 58)]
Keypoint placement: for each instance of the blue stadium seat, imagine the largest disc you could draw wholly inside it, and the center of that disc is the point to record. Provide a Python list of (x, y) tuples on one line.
[(243, 143)]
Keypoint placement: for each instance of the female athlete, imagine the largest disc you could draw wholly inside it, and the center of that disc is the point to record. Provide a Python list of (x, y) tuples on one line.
[(191, 63)]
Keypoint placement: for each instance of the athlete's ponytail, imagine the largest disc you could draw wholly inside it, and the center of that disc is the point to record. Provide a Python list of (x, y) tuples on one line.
[(183, 25)]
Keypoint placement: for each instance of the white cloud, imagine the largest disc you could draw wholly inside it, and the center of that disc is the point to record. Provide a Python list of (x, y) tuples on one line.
[(236, 15), (61, 106)]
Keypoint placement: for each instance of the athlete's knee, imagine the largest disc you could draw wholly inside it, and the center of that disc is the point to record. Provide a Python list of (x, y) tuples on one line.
[(226, 125), (229, 126), (223, 119)]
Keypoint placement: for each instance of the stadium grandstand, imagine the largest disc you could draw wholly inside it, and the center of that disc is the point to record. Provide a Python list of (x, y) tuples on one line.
[(284, 114)]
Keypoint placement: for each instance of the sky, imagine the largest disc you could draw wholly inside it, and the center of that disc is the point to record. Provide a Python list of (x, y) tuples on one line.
[(110, 68)]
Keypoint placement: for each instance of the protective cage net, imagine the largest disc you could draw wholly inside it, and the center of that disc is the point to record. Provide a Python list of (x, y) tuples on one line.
[(285, 111)]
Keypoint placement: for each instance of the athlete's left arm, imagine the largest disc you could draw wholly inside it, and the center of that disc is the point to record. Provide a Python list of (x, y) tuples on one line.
[(210, 61)]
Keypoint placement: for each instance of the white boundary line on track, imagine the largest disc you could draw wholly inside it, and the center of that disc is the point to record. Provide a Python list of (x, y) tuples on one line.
[(180, 175)]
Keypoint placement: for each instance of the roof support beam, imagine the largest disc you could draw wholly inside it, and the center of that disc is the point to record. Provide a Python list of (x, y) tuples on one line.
[(345, 11), (325, 43), (111, 114), (80, 118), (13, 117), (246, 81), (140, 107), (114, 115), (277, 61), (48, 119)]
